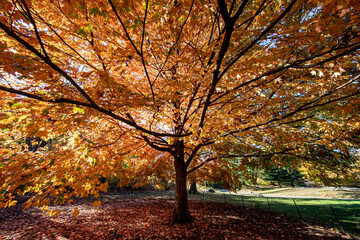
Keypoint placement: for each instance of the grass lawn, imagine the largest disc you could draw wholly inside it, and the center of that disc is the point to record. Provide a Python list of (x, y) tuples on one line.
[(332, 212), (324, 192)]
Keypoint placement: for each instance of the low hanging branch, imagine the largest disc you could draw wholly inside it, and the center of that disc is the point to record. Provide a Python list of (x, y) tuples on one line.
[(250, 155)]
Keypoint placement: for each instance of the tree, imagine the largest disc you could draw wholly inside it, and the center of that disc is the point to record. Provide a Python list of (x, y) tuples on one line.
[(193, 188), (321, 161), (276, 175), (295, 178), (142, 88), (284, 176)]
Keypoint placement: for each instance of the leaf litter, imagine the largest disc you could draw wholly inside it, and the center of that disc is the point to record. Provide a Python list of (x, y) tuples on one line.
[(149, 219)]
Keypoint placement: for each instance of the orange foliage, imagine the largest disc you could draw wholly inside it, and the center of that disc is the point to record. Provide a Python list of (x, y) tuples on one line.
[(118, 86)]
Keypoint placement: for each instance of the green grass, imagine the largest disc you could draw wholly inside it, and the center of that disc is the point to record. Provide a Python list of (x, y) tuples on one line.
[(347, 212)]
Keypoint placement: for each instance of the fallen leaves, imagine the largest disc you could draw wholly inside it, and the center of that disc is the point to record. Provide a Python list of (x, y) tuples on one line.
[(96, 203), (76, 212), (149, 219)]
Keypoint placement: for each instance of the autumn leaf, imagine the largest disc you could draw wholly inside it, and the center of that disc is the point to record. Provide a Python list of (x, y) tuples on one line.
[(76, 212), (54, 213), (96, 203)]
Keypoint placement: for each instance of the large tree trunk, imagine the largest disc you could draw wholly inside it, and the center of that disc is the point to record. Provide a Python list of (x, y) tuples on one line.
[(181, 212)]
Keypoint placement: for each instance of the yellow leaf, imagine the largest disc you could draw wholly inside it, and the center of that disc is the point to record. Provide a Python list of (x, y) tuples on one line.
[(76, 212), (96, 203), (54, 213)]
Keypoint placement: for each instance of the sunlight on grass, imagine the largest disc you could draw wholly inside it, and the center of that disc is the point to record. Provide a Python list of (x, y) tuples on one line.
[(347, 212)]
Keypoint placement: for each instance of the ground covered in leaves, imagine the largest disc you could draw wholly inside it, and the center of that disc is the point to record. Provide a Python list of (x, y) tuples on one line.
[(149, 218)]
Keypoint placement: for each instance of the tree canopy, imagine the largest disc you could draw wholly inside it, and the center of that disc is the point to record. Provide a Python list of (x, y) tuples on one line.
[(170, 89)]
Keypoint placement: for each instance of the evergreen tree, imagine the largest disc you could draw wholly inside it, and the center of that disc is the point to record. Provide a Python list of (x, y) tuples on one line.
[(285, 176)]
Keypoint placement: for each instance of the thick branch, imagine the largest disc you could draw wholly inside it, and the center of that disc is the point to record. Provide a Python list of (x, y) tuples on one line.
[(100, 109), (29, 15), (46, 60), (195, 151), (239, 11), (223, 11), (44, 99), (245, 50), (151, 144), (229, 27), (238, 156)]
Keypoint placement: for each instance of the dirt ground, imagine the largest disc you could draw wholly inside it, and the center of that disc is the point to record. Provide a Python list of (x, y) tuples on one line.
[(149, 219)]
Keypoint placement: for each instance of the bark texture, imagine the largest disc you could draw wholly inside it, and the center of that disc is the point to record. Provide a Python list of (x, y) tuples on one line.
[(181, 212)]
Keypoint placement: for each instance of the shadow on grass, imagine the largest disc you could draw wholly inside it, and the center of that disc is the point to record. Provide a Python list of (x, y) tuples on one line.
[(341, 214)]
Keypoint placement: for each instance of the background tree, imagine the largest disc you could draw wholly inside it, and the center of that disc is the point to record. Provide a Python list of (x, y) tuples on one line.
[(276, 175), (285, 176), (193, 188), (167, 86), (330, 165)]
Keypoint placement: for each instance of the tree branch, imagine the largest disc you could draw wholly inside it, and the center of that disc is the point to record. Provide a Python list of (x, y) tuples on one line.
[(229, 27), (200, 165), (108, 144), (307, 105), (44, 99), (176, 41), (195, 151), (238, 156), (46, 60), (268, 122), (239, 11), (100, 109), (294, 64), (245, 50), (350, 50), (144, 22), (223, 11), (29, 15), (123, 26), (189, 107), (151, 144)]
